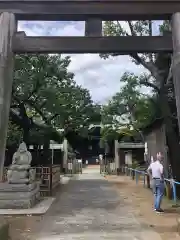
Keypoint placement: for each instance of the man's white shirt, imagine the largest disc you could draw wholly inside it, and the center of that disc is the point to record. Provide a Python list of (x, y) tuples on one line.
[(157, 169)]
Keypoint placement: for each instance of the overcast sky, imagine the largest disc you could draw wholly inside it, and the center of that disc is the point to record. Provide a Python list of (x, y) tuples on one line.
[(101, 77)]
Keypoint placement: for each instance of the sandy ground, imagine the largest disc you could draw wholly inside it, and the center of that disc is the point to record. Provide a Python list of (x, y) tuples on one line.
[(20, 226), (141, 200), (137, 196)]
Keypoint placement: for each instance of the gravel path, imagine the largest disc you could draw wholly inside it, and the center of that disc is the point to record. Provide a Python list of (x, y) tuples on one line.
[(89, 207)]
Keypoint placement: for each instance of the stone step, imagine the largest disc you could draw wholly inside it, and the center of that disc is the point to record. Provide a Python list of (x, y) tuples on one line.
[(6, 187), (18, 195)]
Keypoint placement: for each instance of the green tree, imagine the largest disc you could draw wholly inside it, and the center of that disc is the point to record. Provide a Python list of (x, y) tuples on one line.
[(129, 110), (159, 78), (14, 134), (46, 97)]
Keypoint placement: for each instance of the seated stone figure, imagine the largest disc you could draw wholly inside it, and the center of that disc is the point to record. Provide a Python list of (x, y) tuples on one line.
[(22, 156), (19, 171)]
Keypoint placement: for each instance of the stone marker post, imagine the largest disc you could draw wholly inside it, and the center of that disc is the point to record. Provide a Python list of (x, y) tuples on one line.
[(7, 29)]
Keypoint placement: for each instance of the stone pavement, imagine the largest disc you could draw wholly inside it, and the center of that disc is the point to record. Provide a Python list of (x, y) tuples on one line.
[(89, 207)]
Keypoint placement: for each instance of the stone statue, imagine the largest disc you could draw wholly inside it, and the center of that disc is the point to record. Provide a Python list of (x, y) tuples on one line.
[(21, 189), (22, 156), (19, 171)]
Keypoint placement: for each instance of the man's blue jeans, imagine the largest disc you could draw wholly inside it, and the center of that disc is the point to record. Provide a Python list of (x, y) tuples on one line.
[(158, 190)]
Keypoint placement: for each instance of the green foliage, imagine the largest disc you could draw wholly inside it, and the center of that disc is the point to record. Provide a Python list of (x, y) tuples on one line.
[(44, 84), (46, 98), (135, 165), (159, 79), (165, 27), (128, 111), (138, 110), (14, 134), (108, 133), (138, 28), (130, 28)]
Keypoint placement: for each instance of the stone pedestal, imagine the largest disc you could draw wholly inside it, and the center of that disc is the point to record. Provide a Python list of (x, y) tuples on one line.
[(18, 196)]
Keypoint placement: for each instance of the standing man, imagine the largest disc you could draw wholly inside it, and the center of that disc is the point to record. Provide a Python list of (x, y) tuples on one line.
[(155, 170)]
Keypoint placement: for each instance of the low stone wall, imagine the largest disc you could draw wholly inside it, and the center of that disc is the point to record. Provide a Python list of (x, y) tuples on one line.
[(4, 229)]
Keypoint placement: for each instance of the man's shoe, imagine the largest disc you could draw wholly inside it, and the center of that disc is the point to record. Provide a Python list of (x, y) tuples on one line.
[(159, 210)]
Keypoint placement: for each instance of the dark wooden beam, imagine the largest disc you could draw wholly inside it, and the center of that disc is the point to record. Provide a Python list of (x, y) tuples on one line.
[(93, 28), (81, 10), (121, 45)]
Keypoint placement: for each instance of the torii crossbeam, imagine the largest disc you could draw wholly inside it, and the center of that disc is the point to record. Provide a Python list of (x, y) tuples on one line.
[(81, 10), (119, 45), (90, 10)]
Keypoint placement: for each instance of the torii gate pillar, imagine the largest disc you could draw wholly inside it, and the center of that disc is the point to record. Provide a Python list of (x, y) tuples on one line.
[(7, 29), (176, 60)]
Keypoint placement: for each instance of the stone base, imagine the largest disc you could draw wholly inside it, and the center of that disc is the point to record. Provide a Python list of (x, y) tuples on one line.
[(40, 208), (19, 199), (6, 187)]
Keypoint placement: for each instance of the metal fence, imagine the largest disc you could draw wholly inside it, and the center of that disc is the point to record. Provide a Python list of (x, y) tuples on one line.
[(79, 166), (74, 166), (108, 166), (112, 167), (142, 176)]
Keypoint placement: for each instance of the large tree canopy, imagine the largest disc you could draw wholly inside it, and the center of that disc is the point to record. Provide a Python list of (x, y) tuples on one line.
[(46, 101), (129, 110), (159, 78)]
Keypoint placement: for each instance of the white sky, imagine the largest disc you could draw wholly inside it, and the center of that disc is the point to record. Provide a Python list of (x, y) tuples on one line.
[(101, 77)]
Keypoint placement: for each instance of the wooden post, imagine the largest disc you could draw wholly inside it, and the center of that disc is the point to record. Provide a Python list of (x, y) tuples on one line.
[(176, 60), (51, 180), (7, 29), (65, 155), (148, 181), (93, 28), (117, 158)]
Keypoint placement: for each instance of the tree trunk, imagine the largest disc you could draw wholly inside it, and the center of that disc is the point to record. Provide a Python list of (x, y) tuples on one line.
[(172, 137)]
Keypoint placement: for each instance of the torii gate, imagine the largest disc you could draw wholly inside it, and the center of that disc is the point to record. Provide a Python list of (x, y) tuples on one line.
[(93, 12)]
